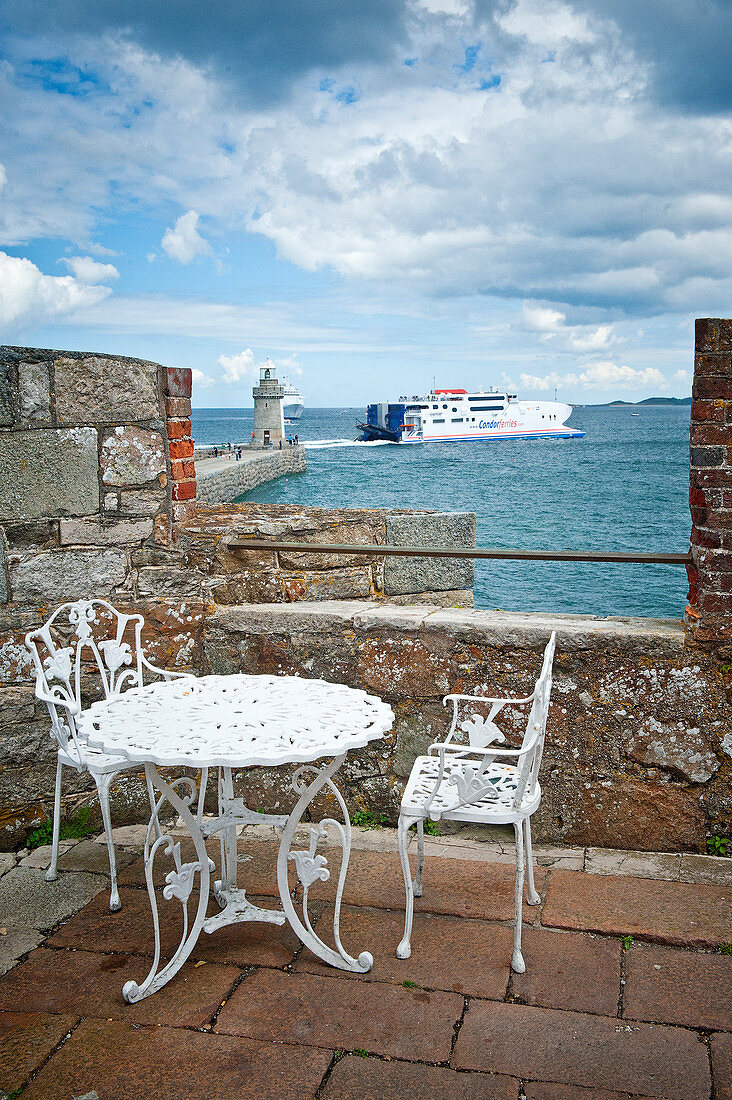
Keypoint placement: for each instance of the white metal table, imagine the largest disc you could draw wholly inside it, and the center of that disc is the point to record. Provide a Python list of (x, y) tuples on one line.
[(231, 722)]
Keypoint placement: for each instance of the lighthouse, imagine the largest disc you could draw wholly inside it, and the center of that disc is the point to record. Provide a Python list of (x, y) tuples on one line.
[(269, 422)]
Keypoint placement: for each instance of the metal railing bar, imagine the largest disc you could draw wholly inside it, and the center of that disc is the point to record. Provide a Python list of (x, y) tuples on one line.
[(478, 552)]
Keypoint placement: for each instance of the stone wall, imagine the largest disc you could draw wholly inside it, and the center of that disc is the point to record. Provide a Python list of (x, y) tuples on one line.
[(225, 485), (709, 613), (638, 743)]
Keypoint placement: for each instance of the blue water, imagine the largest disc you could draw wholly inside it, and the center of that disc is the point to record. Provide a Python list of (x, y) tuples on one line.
[(623, 487)]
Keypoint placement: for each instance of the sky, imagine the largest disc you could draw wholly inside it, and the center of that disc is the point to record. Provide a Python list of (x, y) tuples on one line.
[(377, 196)]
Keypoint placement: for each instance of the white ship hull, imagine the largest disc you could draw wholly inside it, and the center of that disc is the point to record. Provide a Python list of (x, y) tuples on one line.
[(293, 411), (460, 416)]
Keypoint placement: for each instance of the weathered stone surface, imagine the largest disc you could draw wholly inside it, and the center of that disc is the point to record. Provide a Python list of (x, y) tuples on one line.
[(39, 534), (358, 1078), (429, 529), (16, 664), (593, 1051), (331, 584), (609, 861), (91, 532), (53, 576), (4, 596), (330, 1012), (675, 747), (30, 905), (27, 1039), (34, 386), (636, 814), (678, 913), (167, 580), (132, 456), (121, 1060), (97, 390), (48, 473), (142, 502), (416, 727), (287, 618), (7, 405), (678, 987), (462, 597)]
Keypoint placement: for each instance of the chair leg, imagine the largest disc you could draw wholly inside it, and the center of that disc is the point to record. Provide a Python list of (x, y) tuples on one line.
[(404, 950), (531, 893), (517, 959), (103, 781), (203, 781), (417, 885), (151, 797), (52, 872)]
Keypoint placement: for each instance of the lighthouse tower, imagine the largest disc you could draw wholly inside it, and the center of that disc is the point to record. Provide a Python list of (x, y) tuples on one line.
[(269, 421)]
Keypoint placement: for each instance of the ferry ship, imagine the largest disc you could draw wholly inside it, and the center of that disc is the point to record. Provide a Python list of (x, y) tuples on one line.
[(447, 416), (292, 402)]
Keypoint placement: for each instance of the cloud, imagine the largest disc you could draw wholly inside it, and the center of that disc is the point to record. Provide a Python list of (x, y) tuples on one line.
[(256, 47), (90, 271), (29, 297), (604, 375), (3, 176), (551, 326), (183, 242), (201, 380), (239, 367)]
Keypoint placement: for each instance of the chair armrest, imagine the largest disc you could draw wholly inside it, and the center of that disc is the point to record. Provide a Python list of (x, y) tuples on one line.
[(167, 674), (57, 700), (441, 747)]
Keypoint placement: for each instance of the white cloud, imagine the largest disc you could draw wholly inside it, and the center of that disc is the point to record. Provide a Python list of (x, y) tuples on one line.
[(90, 271), (28, 297), (183, 242), (604, 375), (239, 367), (683, 377), (202, 381)]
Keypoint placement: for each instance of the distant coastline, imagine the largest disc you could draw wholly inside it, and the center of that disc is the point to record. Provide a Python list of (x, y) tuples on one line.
[(649, 401)]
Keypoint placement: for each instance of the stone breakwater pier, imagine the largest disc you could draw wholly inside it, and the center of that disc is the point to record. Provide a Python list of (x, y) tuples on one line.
[(221, 480)]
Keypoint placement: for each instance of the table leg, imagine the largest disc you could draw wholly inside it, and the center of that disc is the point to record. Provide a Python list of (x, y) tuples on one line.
[(227, 883), (180, 794), (312, 867)]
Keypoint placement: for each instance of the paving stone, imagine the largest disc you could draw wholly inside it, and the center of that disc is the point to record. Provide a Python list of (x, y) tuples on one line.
[(89, 983), (30, 902), (26, 1040), (542, 1090), (458, 956), (574, 972), (119, 1061), (721, 1047), (678, 987), (257, 866), (14, 943), (711, 870), (459, 887), (578, 1049), (7, 862), (329, 1012), (679, 913), (49, 473), (88, 856), (125, 835), (611, 861), (131, 930), (41, 857), (355, 1078)]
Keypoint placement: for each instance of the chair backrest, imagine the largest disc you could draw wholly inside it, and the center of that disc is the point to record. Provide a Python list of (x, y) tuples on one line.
[(533, 738), (88, 635)]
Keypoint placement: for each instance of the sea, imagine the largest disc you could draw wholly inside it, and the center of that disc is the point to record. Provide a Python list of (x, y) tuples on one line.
[(624, 487)]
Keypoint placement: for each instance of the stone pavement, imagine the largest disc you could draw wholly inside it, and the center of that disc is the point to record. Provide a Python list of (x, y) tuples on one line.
[(627, 993)]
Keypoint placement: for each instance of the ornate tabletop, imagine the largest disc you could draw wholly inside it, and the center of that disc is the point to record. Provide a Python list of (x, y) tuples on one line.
[(235, 721)]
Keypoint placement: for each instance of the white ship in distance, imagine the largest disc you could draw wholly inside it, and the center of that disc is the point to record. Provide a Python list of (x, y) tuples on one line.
[(292, 402), (456, 415)]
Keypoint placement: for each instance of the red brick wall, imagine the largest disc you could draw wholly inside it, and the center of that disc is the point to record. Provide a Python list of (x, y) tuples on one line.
[(709, 611), (178, 382)]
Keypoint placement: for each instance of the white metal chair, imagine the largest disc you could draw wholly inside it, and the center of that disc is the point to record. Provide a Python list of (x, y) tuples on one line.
[(477, 783), (89, 636)]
